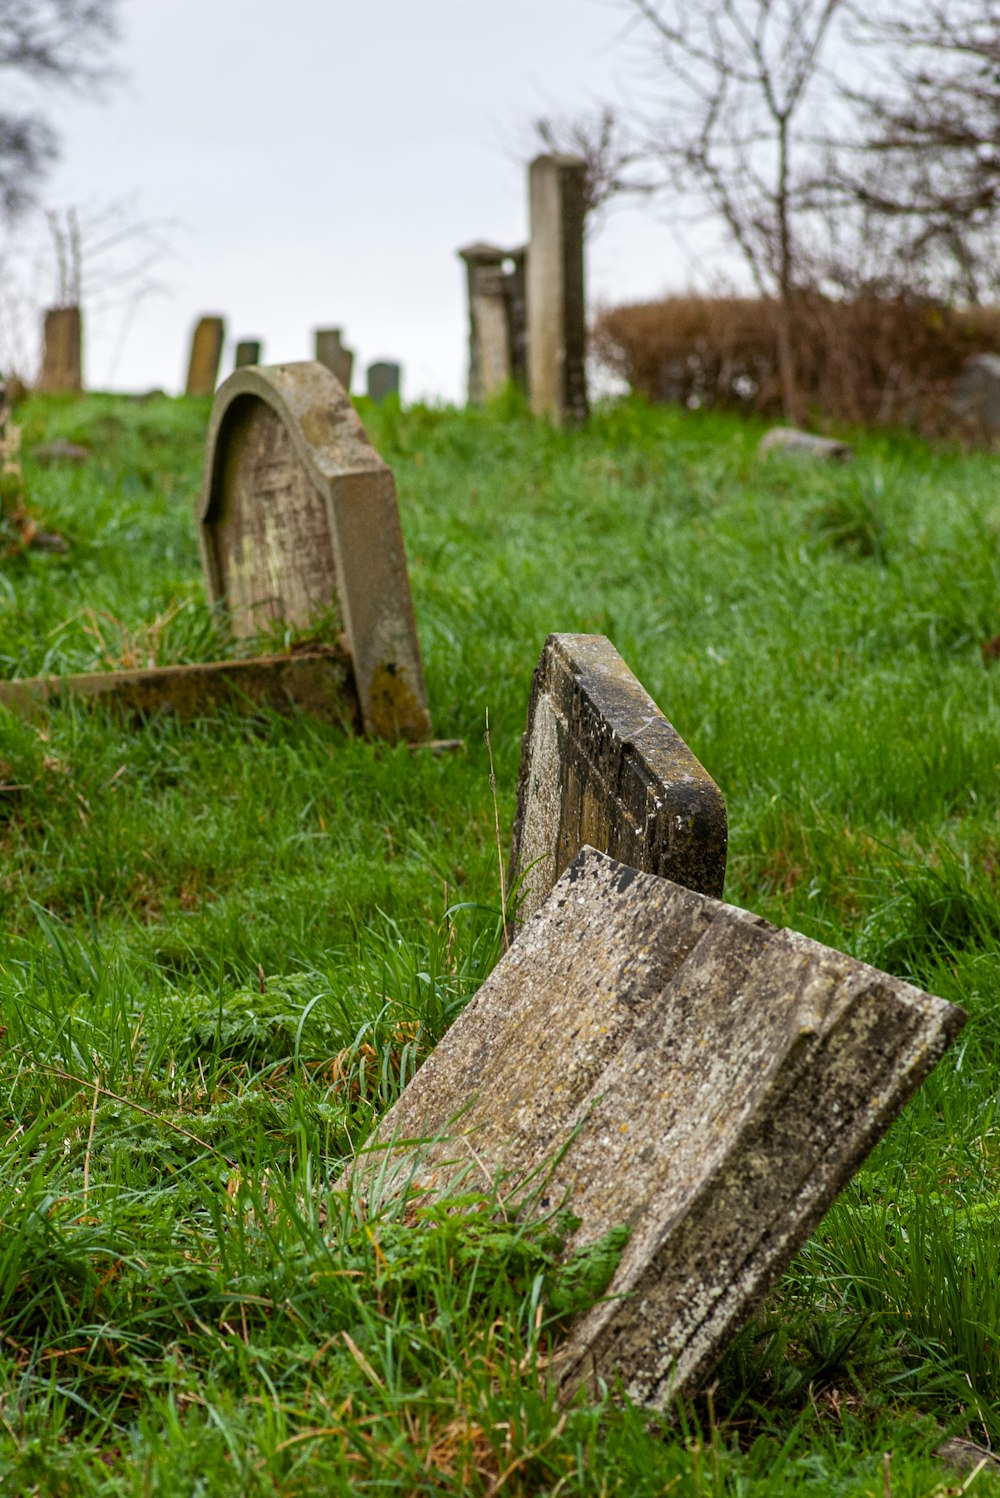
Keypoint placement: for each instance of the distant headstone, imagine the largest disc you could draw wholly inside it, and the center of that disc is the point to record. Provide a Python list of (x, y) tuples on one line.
[(804, 445), (206, 353), (601, 765), (339, 360), (247, 352), (497, 329), (62, 353), (58, 450), (298, 521), (654, 1060), (557, 330), (384, 379), (977, 392)]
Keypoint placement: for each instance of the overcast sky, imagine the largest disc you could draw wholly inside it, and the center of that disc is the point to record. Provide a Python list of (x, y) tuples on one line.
[(322, 160)]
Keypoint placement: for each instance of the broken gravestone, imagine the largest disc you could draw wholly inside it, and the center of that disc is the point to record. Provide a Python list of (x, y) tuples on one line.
[(804, 445), (331, 351), (601, 765), (654, 1060), (298, 523), (206, 352)]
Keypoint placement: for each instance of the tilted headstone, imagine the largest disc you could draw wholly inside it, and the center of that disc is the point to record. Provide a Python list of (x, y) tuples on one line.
[(384, 379), (976, 396), (331, 351), (651, 1058), (62, 353), (206, 353), (497, 331), (298, 521), (557, 331), (601, 765), (247, 352)]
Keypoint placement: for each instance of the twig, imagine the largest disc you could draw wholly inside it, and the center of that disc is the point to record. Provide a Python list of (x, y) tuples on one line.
[(90, 1142), (496, 819)]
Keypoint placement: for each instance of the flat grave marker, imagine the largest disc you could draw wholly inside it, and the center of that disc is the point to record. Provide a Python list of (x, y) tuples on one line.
[(650, 1058)]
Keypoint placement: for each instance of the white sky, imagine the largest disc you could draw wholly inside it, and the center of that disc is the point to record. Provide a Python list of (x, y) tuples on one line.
[(322, 161)]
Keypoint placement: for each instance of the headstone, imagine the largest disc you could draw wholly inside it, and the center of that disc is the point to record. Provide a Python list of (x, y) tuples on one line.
[(601, 765), (58, 450), (62, 354), (298, 521), (247, 352), (206, 352), (497, 331), (384, 379), (557, 337), (977, 392), (330, 351), (653, 1059), (804, 445)]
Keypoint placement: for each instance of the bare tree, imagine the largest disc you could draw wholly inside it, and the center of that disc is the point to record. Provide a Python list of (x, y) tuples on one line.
[(43, 44), (741, 132), (608, 148)]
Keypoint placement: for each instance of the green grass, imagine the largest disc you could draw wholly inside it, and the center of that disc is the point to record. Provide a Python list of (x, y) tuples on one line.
[(226, 946)]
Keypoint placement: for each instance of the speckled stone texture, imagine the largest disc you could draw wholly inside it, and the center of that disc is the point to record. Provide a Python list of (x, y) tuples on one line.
[(298, 519), (601, 765), (652, 1057)]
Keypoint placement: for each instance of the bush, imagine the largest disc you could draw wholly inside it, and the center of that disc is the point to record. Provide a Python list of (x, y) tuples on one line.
[(875, 361)]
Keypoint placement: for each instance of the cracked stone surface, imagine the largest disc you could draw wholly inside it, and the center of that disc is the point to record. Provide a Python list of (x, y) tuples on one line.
[(650, 1056)]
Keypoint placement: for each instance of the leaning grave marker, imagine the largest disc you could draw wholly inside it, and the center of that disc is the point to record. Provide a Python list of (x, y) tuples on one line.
[(601, 765), (650, 1057), (297, 517)]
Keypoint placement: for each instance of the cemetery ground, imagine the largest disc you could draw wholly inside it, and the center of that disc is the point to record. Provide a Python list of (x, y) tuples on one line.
[(227, 945)]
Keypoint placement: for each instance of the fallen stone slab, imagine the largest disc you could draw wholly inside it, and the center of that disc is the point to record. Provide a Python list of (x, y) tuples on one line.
[(298, 521), (804, 445), (601, 765), (649, 1057), (318, 683), (59, 451)]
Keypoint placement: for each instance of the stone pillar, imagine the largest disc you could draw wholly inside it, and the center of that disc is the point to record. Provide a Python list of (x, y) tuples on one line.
[(206, 352), (330, 351), (62, 356), (557, 376), (247, 352), (384, 379), (496, 319)]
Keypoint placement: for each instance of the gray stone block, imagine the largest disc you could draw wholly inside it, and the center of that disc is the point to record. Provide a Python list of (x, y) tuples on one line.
[(206, 353), (601, 765), (804, 445), (384, 379), (557, 313), (650, 1057)]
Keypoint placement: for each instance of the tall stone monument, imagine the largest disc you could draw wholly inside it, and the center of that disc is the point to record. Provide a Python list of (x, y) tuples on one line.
[(206, 353), (330, 350), (62, 353), (557, 335), (497, 310)]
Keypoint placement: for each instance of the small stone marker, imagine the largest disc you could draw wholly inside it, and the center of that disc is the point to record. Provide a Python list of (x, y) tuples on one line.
[(62, 354), (497, 331), (650, 1057), (601, 765), (804, 445), (557, 334), (384, 379), (298, 520), (59, 451), (206, 352), (977, 392), (247, 352), (331, 351)]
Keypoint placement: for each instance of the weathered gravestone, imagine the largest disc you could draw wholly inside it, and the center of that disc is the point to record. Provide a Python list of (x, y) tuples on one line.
[(497, 330), (298, 520), (601, 765), (384, 379), (247, 352), (976, 398), (62, 350), (804, 445), (557, 331), (651, 1058), (331, 351), (206, 352)]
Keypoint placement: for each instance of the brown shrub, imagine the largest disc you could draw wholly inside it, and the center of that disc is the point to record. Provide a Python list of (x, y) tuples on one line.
[(875, 361)]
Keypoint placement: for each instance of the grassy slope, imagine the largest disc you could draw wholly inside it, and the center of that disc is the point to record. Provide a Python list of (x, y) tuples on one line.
[(182, 1307)]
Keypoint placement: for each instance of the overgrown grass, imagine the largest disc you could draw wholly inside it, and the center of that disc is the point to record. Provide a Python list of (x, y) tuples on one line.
[(227, 946)]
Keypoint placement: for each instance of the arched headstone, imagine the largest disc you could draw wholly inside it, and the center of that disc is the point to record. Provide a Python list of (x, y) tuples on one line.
[(298, 521)]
